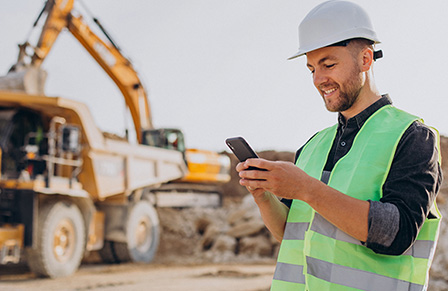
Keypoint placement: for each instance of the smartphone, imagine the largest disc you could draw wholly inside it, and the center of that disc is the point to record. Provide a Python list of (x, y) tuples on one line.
[(242, 150)]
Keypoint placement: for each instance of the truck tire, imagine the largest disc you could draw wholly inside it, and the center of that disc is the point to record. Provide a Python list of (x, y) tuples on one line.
[(142, 234), (61, 240)]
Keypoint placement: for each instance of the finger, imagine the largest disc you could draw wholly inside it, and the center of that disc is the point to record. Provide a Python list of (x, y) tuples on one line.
[(254, 174), (258, 163), (255, 191), (254, 184), (241, 167)]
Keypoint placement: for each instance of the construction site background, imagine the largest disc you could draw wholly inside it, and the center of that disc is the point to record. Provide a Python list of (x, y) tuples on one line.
[(211, 245)]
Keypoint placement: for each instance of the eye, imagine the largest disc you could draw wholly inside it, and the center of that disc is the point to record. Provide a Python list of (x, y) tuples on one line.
[(330, 66)]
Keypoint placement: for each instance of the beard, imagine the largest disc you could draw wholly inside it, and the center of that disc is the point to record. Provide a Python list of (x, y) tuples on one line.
[(348, 92)]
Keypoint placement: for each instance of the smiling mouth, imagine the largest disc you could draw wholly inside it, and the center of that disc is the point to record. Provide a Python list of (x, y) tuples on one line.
[(329, 91)]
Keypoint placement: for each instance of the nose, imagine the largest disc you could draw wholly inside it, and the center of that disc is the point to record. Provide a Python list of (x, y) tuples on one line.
[(319, 77)]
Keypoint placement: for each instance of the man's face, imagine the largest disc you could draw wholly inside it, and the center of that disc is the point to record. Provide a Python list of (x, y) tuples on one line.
[(337, 76)]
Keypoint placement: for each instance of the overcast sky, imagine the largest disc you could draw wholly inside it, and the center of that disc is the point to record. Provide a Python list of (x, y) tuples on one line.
[(218, 68)]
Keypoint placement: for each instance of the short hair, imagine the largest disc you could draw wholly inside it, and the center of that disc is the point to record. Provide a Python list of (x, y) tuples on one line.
[(358, 44)]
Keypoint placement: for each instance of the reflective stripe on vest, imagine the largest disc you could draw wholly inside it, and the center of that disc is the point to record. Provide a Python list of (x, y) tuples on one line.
[(289, 273), (315, 255), (354, 278), (420, 249), (296, 230), (342, 275)]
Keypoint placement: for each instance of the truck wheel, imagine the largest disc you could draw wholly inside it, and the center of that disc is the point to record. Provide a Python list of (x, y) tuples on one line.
[(60, 241), (142, 234)]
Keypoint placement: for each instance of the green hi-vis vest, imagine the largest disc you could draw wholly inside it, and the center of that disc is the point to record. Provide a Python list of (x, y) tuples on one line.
[(315, 255)]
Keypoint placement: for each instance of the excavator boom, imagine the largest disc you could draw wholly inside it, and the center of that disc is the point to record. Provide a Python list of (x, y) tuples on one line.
[(60, 14), (107, 55)]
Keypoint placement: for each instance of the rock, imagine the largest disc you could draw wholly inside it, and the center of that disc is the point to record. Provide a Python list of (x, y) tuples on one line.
[(237, 216), (219, 257), (257, 245), (247, 228), (202, 223), (248, 210), (210, 235), (224, 243)]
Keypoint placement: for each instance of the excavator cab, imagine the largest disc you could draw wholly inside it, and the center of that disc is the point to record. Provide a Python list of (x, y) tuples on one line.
[(203, 166), (167, 138)]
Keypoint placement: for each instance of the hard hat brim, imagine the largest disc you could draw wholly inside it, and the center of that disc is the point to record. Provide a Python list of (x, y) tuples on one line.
[(299, 54), (304, 51)]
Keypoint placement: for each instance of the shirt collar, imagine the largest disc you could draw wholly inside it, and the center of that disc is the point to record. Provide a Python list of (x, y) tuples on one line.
[(358, 120)]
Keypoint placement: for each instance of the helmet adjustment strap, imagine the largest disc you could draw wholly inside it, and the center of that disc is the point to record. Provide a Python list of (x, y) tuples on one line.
[(377, 55)]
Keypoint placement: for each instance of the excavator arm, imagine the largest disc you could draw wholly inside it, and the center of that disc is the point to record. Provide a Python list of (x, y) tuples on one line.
[(204, 166), (107, 54), (119, 70), (56, 21)]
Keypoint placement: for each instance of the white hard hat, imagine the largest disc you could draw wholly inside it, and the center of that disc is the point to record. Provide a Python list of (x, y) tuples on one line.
[(332, 22)]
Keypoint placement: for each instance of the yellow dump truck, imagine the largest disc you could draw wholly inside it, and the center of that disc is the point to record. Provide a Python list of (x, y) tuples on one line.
[(66, 188)]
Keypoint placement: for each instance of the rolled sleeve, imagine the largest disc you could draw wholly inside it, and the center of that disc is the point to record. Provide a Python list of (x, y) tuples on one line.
[(408, 193), (384, 221)]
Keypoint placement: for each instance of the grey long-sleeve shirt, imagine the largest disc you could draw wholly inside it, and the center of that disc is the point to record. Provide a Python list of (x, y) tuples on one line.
[(409, 190)]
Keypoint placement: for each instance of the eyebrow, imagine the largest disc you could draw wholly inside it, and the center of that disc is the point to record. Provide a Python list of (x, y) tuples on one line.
[(324, 59)]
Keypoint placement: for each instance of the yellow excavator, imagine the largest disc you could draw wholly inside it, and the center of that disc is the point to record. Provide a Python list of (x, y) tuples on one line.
[(66, 188)]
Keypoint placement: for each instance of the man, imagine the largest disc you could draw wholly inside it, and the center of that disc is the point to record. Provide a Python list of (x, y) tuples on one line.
[(358, 208)]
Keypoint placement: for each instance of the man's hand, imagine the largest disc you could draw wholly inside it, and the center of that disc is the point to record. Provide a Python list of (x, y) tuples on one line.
[(273, 212), (283, 179)]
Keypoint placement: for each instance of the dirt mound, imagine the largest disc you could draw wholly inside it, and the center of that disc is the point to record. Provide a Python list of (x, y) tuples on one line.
[(232, 233)]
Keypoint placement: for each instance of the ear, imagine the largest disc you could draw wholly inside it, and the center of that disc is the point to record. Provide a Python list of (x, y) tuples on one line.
[(366, 59)]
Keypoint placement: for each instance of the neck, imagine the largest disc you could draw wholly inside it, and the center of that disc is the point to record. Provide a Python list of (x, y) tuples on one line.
[(367, 96)]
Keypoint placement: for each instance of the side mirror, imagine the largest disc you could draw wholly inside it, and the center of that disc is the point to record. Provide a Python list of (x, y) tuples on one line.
[(71, 136)]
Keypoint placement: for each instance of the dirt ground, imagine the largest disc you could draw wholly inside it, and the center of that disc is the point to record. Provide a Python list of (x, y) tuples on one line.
[(129, 277)]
